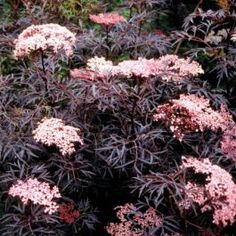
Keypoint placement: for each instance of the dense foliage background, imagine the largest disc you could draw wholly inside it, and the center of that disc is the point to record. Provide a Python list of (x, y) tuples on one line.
[(128, 161)]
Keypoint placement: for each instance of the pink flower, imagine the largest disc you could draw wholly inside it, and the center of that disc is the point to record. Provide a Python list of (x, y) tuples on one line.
[(192, 113), (159, 32), (218, 194), (177, 118), (228, 143), (174, 68), (203, 114), (37, 192), (101, 66), (51, 37), (140, 68), (168, 67), (107, 19), (194, 193), (53, 131), (68, 213), (133, 222), (83, 73)]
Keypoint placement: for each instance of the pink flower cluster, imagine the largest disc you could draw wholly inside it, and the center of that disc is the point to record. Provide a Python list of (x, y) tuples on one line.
[(37, 192), (228, 143), (192, 113), (101, 66), (44, 37), (173, 68), (68, 213), (53, 131), (218, 194), (97, 67), (83, 73), (107, 19), (177, 118), (133, 222), (194, 193), (168, 67), (140, 68)]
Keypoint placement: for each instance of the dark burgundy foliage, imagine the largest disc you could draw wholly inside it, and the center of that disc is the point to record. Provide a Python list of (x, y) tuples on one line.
[(127, 156)]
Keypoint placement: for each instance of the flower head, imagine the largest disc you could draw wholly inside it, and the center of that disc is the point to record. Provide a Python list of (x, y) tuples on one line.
[(53, 131), (37, 192), (192, 113), (101, 66), (82, 73), (134, 222), (140, 68), (51, 37), (107, 19), (174, 68), (228, 143), (169, 67), (218, 194), (68, 212)]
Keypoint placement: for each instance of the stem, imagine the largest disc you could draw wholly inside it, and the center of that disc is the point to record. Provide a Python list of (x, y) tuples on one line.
[(178, 47), (42, 61), (63, 88), (140, 28), (227, 84), (107, 42), (130, 12), (44, 71), (138, 35), (198, 5), (15, 8), (137, 82), (132, 116)]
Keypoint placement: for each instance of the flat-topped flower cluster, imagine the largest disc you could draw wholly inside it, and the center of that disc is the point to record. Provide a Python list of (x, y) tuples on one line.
[(52, 37), (53, 131), (168, 67), (228, 143), (192, 113), (68, 212), (134, 222), (38, 192), (217, 195), (107, 19)]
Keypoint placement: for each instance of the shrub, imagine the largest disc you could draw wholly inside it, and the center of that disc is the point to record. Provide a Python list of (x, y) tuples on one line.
[(105, 130)]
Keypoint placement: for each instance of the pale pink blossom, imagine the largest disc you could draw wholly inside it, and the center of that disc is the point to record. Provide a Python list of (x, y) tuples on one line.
[(133, 222), (177, 118), (51, 37), (53, 131), (38, 192), (101, 66), (194, 193), (203, 114), (228, 143), (83, 73), (169, 67), (192, 113), (140, 68), (174, 68), (218, 194), (107, 19)]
